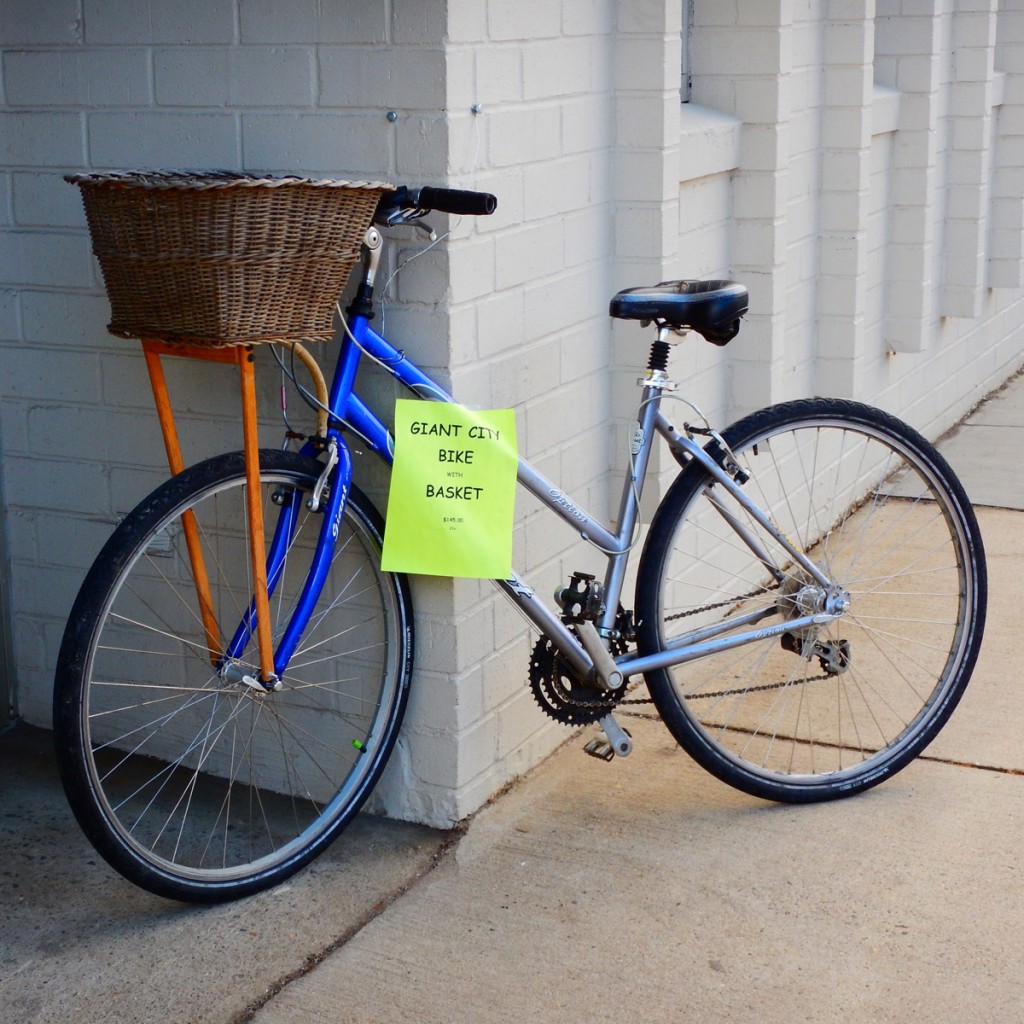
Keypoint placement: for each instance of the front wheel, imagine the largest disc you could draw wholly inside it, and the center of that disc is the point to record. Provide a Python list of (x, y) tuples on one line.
[(831, 708), (189, 778)]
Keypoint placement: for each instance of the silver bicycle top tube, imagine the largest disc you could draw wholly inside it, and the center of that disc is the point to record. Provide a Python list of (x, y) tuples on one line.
[(588, 527)]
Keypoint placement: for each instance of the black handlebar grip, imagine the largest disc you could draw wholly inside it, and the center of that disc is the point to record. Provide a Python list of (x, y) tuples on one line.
[(453, 200)]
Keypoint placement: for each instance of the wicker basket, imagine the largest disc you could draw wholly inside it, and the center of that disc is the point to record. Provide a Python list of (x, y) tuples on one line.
[(220, 258)]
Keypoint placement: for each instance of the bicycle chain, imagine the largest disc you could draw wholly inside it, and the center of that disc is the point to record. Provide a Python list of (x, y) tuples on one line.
[(759, 689), (724, 604), (591, 709), (713, 607), (744, 689)]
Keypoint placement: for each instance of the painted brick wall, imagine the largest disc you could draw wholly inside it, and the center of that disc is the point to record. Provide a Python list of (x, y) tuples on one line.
[(275, 86), (509, 311), (946, 338), (875, 216), (812, 165), (529, 327)]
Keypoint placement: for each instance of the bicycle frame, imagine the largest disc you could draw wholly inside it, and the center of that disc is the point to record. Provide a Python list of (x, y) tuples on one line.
[(348, 411)]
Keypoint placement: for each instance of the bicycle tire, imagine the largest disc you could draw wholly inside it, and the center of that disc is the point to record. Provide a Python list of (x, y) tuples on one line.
[(190, 782), (837, 707)]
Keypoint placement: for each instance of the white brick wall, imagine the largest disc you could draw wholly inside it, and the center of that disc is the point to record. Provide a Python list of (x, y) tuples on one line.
[(511, 310), (529, 290), (1007, 216), (743, 57), (877, 229), (812, 166), (269, 85)]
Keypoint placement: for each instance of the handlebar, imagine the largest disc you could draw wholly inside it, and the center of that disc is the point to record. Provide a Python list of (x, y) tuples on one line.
[(453, 200), (395, 206)]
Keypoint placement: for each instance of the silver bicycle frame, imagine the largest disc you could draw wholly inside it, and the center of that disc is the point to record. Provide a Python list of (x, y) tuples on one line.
[(616, 547)]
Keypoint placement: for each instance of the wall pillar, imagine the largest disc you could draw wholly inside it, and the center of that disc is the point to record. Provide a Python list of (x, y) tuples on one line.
[(969, 175), (1006, 259), (645, 161), (743, 66), (909, 56), (845, 188)]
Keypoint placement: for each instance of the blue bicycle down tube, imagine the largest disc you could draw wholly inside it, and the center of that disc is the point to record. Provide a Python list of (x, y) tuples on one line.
[(353, 410), (333, 510), (359, 417), (276, 557)]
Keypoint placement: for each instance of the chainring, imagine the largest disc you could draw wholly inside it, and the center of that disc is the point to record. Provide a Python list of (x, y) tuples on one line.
[(561, 694)]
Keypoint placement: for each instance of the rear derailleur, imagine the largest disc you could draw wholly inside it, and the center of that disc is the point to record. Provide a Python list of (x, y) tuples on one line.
[(832, 655)]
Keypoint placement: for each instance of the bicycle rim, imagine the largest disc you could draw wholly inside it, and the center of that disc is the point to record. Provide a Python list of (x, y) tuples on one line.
[(834, 707), (190, 780)]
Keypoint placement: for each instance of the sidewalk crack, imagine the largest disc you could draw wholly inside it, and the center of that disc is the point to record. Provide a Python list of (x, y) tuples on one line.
[(441, 854)]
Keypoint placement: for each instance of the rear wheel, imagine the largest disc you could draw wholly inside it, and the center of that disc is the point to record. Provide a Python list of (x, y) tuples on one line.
[(835, 707), (189, 780)]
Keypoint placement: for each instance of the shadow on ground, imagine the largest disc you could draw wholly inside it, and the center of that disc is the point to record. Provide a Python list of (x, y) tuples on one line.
[(77, 942)]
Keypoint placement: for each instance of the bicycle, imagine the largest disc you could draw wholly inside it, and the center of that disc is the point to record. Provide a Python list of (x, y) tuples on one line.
[(809, 606)]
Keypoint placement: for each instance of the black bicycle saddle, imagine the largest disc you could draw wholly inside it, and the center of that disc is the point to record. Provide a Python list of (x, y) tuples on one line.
[(711, 308)]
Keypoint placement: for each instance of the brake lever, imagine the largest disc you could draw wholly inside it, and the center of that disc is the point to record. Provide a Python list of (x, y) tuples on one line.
[(425, 228), (412, 218)]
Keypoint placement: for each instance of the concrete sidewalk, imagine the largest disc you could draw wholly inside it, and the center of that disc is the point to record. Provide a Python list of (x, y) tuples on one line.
[(589, 892)]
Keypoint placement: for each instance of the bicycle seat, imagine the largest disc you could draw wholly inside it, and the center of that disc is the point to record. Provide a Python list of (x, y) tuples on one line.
[(711, 308)]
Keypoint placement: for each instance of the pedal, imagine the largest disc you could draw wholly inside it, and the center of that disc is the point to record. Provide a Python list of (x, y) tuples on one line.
[(600, 746)]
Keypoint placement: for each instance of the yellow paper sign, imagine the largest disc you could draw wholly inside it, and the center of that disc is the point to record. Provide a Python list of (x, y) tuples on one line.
[(452, 494)]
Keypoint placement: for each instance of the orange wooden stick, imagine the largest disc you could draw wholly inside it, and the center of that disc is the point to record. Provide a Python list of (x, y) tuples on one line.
[(257, 546)]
